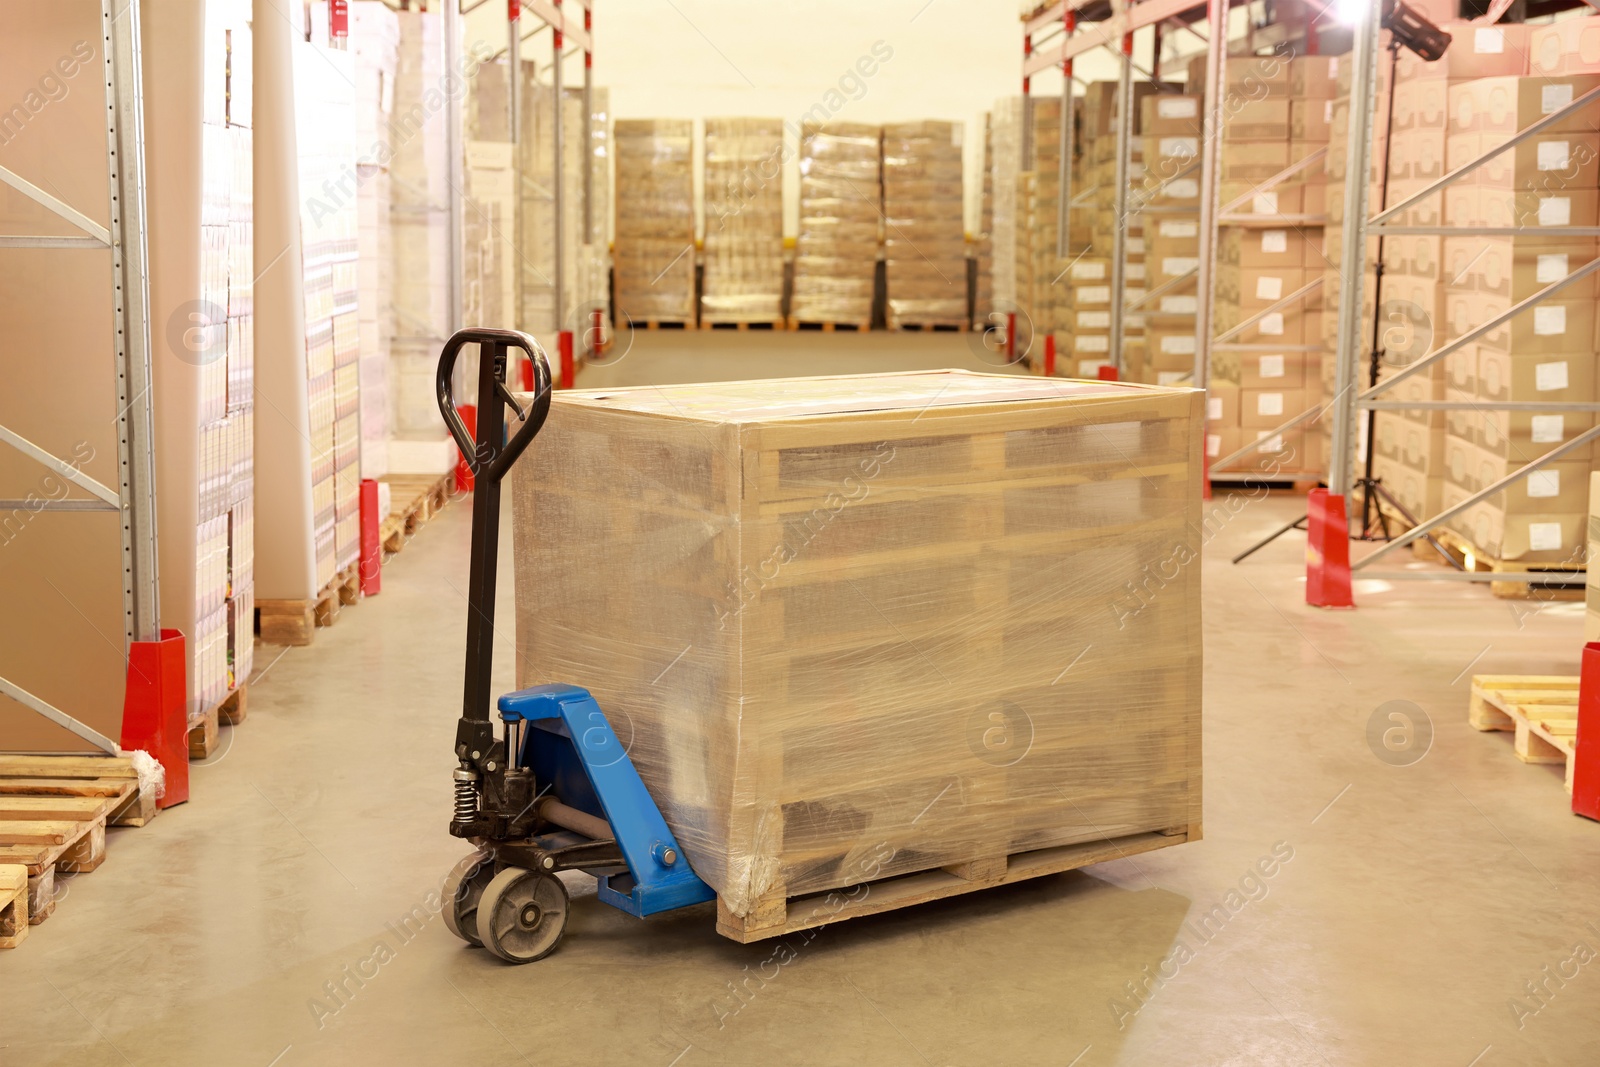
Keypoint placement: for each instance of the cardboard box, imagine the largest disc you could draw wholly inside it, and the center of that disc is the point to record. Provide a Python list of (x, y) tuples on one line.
[(1316, 77), (1570, 46), (1518, 267), (1285, 248), (1245, 77), (1222, 405), (1506, 105), (796, 705), (1524, 435), (1282, 199), (1310, 120), (1536, 537), (1266, 409), (1418, 105), (1550, 327), (1265, 119), (1554, 377), (1169, 114), (1254, 161), (1274, 370), (1223, 441), (1474, 52), (1546, 162), (1259, 287)]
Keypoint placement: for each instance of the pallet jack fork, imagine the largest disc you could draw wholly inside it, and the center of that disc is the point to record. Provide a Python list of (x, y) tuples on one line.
[(555, 791)]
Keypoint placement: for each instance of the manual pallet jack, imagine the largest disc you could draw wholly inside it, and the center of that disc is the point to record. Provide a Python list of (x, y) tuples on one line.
[(556, 790)]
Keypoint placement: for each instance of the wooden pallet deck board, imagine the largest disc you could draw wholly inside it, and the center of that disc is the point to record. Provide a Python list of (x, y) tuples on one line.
[(53, 816), (13, 904), (742, 325), (295, 622), (413, 501), (1540, 710), (776, 915), (827, 326), (929, 325), (1460, 549), (204, 728)]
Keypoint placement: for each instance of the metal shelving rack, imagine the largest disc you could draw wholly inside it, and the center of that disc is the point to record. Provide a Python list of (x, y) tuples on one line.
[(1350, 351), (556, 16), (125, 237)]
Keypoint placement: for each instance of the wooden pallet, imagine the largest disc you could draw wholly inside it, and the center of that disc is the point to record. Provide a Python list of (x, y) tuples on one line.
[(413, 501), (294, 622), (13, 904), (742, 326), (1460, 549), (53, 816), (776, 915), (204, 729), (1542, 710), (828, 327), (662, 324), (929, 326)]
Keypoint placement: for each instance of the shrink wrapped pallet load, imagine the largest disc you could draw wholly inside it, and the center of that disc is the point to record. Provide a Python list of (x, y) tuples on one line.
[(654, 247), (858, 627), (924, 240), (836, 250), (744, 221)]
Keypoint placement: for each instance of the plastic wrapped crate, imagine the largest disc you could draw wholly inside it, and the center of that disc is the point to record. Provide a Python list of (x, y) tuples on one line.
[(819, 609)]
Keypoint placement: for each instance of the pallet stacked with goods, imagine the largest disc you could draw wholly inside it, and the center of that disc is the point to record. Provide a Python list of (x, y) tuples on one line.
[(1547, 354), (924, 238), (654, 243), (743, 280), (1170, 128), (1032, 285), (1268, 340), (840, 227), (489, 214), (374, 44), (981, 248), (419, 316), (325, 129), (223, 636)]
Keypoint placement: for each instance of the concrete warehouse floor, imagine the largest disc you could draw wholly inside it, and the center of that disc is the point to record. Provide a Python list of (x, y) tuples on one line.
[(1408, 907)]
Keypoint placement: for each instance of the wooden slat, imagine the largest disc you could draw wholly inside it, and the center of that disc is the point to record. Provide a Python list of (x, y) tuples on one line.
[(66, 787), (33, 857), (41, 832), (13, 905), (74, 809), (20, 766)]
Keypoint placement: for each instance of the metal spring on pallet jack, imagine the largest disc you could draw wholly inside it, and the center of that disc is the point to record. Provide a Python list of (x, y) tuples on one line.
[(466, 796)]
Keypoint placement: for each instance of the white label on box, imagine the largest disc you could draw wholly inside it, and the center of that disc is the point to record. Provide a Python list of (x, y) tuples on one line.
[(1548, 429), (1092, 343), (1093, 270), (1180, 304), (1095, 320), (1271, 367), (1327, 112), (1554, 98), (1213, 408), (1135, 272), (1265, 203), (1177, 107), (1550, 267), (1135, 245), (1271, 325), (1274, 241), (1549, 320), (1544, 483), (1090, 368), (1169, 377), (1178, 146), (1178, 228), (1555, 211), (1270, 442), (1548, 376), (1489, 40), (1094, 294), (1554, 155), (1213, 445), (1178, 344), (1172, 266), (1544, 536), (1183, 188), (1269, 403), (1269, 288)]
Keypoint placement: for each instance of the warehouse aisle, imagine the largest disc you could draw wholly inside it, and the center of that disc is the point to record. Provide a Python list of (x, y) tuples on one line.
[(288, 914)]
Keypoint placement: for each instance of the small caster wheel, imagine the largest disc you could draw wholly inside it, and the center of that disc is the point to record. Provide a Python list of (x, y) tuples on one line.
[(522, 915), (463, 889)]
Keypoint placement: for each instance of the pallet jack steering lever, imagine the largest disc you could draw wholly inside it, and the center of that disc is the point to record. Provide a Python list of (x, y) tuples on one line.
[(484, 771)]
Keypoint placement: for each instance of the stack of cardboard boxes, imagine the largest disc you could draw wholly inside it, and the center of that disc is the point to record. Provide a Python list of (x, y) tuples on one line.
[(654, 247), (924, 240), (1277, 113), (1172, 127), (981, 247), (841, 198), (744, 221)]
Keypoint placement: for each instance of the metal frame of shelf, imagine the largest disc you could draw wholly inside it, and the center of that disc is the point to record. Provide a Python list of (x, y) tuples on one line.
[(135, 496)]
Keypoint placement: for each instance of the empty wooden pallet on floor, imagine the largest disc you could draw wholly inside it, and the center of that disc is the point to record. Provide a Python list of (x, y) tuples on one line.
[(1541, 709)]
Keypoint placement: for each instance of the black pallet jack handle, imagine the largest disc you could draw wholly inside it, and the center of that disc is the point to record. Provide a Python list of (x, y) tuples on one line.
[(490, 457)]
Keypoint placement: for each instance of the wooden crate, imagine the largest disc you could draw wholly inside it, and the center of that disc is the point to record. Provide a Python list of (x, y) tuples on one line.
[(932, 619), (1540, 709)]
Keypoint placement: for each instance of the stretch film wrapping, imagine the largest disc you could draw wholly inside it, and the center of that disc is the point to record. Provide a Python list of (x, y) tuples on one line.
[(934, 617), (836, 250), (925, 253), (744, 221), (654, 250)]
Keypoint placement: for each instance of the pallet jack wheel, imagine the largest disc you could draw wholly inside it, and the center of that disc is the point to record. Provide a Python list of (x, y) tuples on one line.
[(522, 915), (463, 890)]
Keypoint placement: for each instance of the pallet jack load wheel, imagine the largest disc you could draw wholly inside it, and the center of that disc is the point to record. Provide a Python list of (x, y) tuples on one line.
[(463, 889), (522, 915)]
